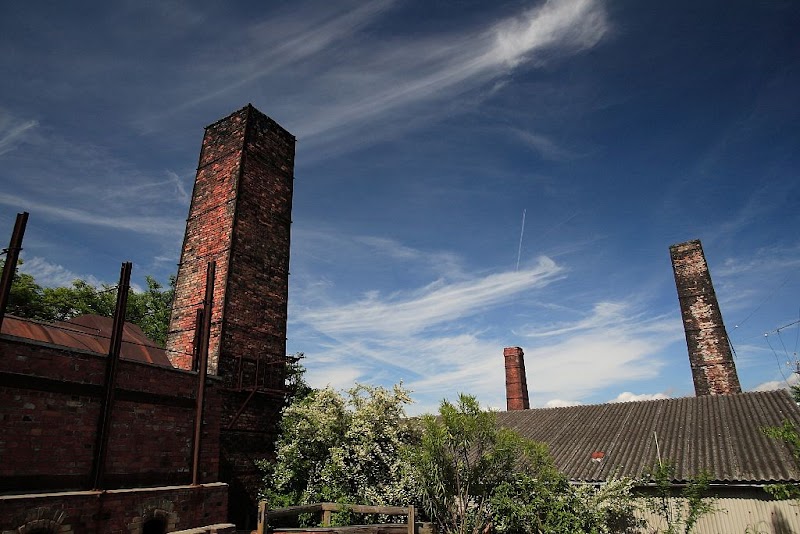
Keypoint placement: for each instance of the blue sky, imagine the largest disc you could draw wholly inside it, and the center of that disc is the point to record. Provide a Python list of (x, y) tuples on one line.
[(425, 129)]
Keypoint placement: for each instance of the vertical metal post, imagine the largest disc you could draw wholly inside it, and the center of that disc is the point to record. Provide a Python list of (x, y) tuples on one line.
[(107, 402), (198, 336), (202, 370), (10, 267)]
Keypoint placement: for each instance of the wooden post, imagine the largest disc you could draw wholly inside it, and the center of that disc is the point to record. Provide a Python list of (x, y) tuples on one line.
[(411, 519), (262, 518), (326, 518)]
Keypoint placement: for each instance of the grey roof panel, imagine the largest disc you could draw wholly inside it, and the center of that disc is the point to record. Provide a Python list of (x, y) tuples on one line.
[(719, 434)]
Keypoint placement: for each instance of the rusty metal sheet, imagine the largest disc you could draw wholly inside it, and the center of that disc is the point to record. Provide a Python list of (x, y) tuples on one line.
[(88, 332)]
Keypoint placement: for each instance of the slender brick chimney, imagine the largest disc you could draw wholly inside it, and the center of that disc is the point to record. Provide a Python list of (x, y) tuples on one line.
[(516, 383), (240, 217), (713, 369)]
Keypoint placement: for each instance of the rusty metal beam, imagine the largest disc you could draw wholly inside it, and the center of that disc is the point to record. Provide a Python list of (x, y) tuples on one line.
[(107, 401), (198, 336), (205, 337), (10, 266)]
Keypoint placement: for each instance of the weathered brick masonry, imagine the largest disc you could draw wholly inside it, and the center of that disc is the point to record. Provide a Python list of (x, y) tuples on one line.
[(123, 511), (49, 410), (50, 395), (713, 369), (516, 381), (240, 217)]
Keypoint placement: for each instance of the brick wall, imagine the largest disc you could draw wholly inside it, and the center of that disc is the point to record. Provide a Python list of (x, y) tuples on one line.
[(115, 511), (713, 369), (49, 410)]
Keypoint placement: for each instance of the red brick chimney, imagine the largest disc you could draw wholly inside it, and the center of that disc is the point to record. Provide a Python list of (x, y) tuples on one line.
[(710, 357), (240, 217), (516, 384)]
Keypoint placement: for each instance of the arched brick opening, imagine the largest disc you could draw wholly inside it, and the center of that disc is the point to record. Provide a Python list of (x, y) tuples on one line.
[(42, 520), (154, 525), (156, 516)]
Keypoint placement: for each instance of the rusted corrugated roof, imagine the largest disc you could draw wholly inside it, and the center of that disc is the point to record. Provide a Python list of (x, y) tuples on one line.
[(88, 332), (720, 434)]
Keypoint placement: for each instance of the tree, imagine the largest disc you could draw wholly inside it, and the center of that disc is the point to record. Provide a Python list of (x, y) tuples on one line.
[(151, 308), (474, 476), (342, 448), (297, 388)]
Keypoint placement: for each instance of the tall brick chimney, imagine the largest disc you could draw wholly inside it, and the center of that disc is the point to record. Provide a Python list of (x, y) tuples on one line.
[(713, 369), (240, 217), (516, 383)]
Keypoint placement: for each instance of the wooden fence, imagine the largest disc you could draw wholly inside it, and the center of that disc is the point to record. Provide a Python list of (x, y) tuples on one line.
[(327, 508)]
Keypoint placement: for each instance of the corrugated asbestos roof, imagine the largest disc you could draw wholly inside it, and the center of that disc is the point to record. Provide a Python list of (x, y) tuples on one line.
[(719, 434), (88, 332)]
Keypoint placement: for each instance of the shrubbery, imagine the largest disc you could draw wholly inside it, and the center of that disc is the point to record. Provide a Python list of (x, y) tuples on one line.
[(465, 473)]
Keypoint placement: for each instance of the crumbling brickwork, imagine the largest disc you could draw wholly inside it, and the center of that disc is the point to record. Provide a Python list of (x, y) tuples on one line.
[(240, 217), (710, 357), (516, 382)]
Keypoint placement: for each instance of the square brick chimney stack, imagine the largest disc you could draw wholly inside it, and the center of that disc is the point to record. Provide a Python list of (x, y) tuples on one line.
[(240, 217), (713, 370), (516, 383)]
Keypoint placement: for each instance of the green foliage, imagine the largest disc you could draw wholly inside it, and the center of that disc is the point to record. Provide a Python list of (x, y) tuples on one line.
[(548, 503), (342, 448), (795, 391), (788, 434), (679, 514), (473, 476), (149, 309), (462, 458), (297, 388)]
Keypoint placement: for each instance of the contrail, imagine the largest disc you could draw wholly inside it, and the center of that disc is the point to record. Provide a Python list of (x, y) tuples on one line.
[(521, 233)]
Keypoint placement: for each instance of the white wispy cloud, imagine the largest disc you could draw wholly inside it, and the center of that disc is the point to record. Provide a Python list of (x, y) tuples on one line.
[(428, 336), (67, 179), (791, 380), (402, 74), (288, 38), (765, 260), (13, 132), (543, 145), (627, 396), (448, 263), (48, 274), (146, 225), (431, 305), (613, 344), (354, 82), (560, 403)]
